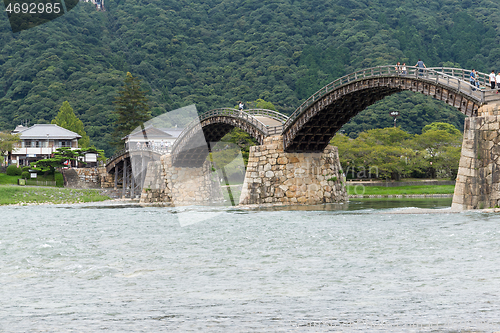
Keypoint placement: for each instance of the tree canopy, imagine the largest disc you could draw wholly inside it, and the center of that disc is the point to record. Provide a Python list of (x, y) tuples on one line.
[(131, 108), (67, 119), (7, 142), (391, 153)]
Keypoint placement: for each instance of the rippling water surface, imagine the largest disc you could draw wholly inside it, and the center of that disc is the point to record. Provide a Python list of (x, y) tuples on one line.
[(364, 267)]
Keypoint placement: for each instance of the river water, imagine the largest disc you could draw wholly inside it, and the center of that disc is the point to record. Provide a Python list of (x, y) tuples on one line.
[(369, 266)]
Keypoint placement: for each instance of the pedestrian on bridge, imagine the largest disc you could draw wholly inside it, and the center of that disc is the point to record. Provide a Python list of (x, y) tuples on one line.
[(498, 80), (420, 64), (404, 68), (473, 81), (492, 79)]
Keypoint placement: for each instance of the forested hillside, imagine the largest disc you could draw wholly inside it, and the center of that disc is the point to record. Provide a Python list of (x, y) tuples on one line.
[(215, 53)]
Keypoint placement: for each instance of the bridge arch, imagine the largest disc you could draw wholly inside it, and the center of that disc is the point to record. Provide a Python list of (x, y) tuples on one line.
[(315, 122), (193, 144)]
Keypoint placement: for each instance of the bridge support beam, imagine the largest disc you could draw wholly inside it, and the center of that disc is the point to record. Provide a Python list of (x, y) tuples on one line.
[(179, 186), (478, 179), (278, 178)]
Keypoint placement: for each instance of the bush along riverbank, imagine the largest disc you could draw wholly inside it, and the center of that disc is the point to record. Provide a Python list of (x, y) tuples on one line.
[(25, 195), (361, 191)]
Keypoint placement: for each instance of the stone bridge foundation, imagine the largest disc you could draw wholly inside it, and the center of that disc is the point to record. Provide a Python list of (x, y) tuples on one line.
[(273, 177), (278, 178), (478, 179), (179, 186)]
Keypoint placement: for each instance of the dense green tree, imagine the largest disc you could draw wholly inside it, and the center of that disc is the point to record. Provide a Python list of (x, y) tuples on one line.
[(132, 109), (439, 149), (393, 153), (67, 119), (442, 127), (261, 104), (377, 153), (60, 156), (7, 142)]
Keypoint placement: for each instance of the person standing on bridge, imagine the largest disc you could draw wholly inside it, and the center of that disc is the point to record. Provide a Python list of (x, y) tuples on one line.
[(498, 80), (420, 64), (398, 68), (492, 79), (240, 106), (403, 69), (473, 81)]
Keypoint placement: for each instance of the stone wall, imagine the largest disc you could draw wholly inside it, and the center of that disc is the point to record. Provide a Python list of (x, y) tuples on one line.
[(107, 180), (179, 186), (89, 177), (478, 181), (278, 178)]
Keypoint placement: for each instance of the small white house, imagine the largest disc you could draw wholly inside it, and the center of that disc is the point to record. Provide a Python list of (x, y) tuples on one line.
[(152, 138), (41, 141)]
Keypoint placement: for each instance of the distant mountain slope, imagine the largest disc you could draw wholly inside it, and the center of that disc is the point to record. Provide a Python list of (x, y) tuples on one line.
[(214, 53)]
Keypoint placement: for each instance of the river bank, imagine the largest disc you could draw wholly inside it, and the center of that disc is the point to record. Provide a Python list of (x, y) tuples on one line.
[(23, 195), (28, 195), (411, 191)]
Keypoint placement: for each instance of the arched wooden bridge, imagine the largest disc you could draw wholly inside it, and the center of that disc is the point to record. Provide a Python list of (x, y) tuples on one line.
[(315, 122), (128, 168), (190, 148)]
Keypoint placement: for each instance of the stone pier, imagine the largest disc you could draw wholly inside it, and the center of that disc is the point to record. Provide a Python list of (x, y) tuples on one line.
[(179, 186), (478, 179), (277, 178), (273, 177)]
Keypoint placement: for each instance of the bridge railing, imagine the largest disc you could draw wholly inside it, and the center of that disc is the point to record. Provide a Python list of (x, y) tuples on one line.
[(116, 155), (247, 115), (452, 78), (155, 147), (464, 74), (269, 114)]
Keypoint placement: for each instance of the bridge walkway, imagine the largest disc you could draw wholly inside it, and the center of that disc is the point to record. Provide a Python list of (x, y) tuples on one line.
[(270, 122)]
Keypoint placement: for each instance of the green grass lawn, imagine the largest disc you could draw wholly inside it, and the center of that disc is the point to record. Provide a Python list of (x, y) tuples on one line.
[(10, 195), (400, 190), (5, 179)]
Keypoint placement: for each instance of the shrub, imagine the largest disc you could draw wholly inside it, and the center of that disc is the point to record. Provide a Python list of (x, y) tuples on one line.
[(13, 170), (26, 168), (58, 177), (25, 175)]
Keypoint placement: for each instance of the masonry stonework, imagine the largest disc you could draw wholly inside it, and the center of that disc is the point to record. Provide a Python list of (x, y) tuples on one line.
[(276, 177), (179, 186), (89, 177), (478, 179)]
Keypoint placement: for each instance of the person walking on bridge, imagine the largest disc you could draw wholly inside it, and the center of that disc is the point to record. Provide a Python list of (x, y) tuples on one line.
[(498, 80), (492, 79), (420, 64), (473, 80)]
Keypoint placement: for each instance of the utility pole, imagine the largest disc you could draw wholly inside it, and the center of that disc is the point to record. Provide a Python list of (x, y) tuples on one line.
[(394, 114)]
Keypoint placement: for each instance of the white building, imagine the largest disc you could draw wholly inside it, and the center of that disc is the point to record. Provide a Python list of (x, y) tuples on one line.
[(41, 141), (99, 4), (152, 138)]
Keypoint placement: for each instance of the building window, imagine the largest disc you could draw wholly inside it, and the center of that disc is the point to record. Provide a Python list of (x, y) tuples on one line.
[(64, 143)]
